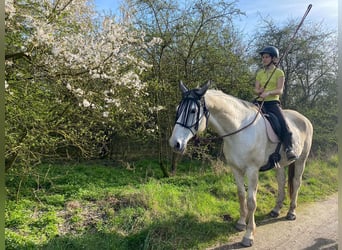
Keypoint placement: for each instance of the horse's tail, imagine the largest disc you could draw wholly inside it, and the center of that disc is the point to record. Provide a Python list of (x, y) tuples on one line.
[(291, 173)]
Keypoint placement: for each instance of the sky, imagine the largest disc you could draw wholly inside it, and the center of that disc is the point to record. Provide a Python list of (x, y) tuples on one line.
[(324, 11)]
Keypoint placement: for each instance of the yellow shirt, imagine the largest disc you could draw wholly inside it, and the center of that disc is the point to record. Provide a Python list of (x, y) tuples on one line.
[(262, 77)]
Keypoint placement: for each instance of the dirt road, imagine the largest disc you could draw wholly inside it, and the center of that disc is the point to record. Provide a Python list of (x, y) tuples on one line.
[(315, 228)]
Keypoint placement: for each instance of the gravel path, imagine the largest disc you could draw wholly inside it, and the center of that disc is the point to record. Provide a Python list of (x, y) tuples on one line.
[(315, 228)]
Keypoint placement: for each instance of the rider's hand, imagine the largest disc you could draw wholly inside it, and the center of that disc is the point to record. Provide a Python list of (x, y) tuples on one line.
[(264, 94)]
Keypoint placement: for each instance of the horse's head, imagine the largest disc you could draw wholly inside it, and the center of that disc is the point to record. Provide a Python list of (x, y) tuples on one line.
[(191, 116)]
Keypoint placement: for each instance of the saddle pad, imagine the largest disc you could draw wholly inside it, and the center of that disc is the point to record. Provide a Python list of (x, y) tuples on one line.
[(270, 132)]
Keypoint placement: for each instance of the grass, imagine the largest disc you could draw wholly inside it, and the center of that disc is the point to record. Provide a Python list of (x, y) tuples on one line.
[(104, 206)]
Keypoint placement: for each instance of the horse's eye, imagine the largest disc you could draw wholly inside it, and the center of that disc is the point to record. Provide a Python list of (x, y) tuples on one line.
[(193, 111)]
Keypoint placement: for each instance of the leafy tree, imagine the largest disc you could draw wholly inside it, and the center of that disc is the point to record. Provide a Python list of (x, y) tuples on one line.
[(199, 43), (72, 78), (198, 40)]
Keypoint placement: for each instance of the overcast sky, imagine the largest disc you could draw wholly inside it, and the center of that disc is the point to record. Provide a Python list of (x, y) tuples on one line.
[(278, 10)]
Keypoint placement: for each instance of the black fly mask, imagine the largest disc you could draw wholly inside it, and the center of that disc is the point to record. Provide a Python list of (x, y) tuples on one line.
[(191, 110)]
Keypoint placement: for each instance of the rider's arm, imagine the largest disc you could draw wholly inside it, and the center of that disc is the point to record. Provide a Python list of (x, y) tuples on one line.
[(258, 89), (276, 91)]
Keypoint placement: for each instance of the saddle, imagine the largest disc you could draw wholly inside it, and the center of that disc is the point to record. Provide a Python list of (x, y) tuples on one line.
[(273, 126), (273, 129)]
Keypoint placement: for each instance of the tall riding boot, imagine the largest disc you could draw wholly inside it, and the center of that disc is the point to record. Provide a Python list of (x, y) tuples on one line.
[(290, 154)]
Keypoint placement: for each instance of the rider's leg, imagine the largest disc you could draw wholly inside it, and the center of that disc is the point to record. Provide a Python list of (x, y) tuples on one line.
[(286, 135)]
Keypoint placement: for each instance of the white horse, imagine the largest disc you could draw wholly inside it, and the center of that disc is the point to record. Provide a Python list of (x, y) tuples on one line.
[(245, 151)]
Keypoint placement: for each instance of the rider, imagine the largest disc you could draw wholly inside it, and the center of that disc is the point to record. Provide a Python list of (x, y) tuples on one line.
[(271, 94)]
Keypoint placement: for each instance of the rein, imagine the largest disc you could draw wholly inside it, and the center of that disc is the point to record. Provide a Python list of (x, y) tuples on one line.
[(184, 111), (197, 139)]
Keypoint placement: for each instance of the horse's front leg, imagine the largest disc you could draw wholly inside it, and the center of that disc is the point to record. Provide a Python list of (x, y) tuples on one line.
[(252, 176), (239, 180)]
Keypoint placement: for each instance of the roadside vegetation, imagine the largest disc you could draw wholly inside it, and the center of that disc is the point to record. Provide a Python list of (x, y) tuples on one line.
[(100, 205)]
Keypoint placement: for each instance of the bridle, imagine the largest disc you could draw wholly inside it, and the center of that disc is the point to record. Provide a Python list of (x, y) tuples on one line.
[(184, 111)]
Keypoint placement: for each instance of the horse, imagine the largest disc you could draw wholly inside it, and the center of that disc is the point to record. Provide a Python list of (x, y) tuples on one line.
[(246, 146)]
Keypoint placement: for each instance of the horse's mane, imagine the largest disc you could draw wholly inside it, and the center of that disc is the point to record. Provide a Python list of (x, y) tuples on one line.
[(229, 98)]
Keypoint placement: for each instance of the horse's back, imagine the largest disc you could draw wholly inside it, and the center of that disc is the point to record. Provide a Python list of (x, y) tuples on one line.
[(299, 120)]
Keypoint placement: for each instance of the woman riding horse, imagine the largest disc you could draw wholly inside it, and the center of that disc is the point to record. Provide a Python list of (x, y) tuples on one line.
[(273, 78)]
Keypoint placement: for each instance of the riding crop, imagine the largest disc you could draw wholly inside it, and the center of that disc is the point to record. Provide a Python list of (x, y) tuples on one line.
[(290, 43)]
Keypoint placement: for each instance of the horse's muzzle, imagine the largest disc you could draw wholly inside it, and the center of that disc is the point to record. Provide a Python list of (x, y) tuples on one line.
[(177, 145)]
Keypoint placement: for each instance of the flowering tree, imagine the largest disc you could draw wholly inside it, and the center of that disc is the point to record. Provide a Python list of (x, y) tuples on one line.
[(71, 76)]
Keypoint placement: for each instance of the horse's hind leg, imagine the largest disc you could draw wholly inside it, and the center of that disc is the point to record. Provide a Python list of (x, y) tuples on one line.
[(295, 180), (281, 178)]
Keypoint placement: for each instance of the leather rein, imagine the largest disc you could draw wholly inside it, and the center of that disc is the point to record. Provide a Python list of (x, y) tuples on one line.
[(198, 140)]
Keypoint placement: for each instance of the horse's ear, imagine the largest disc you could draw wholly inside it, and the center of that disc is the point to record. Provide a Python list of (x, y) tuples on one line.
[(182, 87), (203, 89)]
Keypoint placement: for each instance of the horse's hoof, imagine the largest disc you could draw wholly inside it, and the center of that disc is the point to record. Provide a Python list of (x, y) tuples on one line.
[(290, 216), (240, 227), (247, 242), (274, 214)]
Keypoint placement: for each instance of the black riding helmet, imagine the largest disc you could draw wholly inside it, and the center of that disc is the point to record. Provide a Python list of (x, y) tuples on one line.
[(271, 50)]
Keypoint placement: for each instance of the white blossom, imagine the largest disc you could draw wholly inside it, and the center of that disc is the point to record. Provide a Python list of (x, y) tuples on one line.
[(86, 103), (156, 109), (79, 92), (9, 9), (76, 41), (68, 86)]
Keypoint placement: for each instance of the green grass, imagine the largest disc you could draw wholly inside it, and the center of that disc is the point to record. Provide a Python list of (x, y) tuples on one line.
[(101, 206)]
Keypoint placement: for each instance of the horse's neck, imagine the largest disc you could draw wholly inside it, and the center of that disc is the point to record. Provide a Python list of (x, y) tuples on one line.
[(227, 113)]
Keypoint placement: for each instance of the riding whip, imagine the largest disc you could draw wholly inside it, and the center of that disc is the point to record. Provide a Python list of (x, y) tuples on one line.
[(290, 43)]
